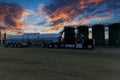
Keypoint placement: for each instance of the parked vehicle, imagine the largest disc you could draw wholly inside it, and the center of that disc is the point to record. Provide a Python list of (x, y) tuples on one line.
[(68, 38)]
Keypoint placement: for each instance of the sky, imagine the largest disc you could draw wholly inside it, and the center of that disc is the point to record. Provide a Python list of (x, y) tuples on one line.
[(46, 16)]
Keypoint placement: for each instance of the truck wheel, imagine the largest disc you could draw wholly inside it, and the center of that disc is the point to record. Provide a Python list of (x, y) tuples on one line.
[(55, 46), (42, 45), (50, 46), (11, 45), (6, 45), (15, 45), (89, 47), (19, 45)]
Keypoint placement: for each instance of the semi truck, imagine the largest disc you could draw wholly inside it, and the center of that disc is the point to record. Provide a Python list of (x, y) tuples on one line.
[(67, 38)]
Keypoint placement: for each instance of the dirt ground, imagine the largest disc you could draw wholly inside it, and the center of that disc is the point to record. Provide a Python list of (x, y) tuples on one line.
[(59, 64)]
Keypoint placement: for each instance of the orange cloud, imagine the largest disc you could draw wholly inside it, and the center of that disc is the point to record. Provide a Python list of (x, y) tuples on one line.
[(11, 17), (65, 15)]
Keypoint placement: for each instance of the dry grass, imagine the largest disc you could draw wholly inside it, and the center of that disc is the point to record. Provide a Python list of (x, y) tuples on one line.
[(59, 64)]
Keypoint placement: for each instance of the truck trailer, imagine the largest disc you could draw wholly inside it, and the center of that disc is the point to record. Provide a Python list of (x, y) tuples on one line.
[(67, 38), (24, 40)]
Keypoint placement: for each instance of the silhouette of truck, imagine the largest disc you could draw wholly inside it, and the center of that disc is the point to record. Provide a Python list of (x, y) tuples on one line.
[(67, 38)]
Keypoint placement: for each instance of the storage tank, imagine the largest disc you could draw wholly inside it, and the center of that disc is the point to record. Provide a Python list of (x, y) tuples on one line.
[(24, 37), (54, 37), (98, 34), (14, 37), (114, 34), (31, 37)]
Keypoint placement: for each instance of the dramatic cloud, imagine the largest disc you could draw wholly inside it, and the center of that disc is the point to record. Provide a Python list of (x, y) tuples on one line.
[(68, 12), (11, 17), (52, 17)]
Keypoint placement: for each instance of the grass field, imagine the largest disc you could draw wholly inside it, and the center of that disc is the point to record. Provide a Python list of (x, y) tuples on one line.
[(59, 64)]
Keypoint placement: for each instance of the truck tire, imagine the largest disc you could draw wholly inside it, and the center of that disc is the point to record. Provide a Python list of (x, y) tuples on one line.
[(50, 46), (11, 45), (90, 47), (6, 45), (19, 45), (42, 45), (15, 45), (55, 45)]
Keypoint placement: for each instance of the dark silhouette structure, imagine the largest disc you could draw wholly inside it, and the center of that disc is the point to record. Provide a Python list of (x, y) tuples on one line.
[(114, 34), (83, 30), (69, 34), (98, 34)]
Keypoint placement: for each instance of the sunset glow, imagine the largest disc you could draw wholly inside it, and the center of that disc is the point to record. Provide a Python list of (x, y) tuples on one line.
[(18, 17)]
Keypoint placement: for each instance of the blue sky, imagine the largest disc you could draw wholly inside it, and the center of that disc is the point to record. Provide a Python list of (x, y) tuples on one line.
[(52, 15), (28, 4)]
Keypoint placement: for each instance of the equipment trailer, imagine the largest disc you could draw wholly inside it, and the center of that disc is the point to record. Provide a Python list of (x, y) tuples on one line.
[(68, 38)]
